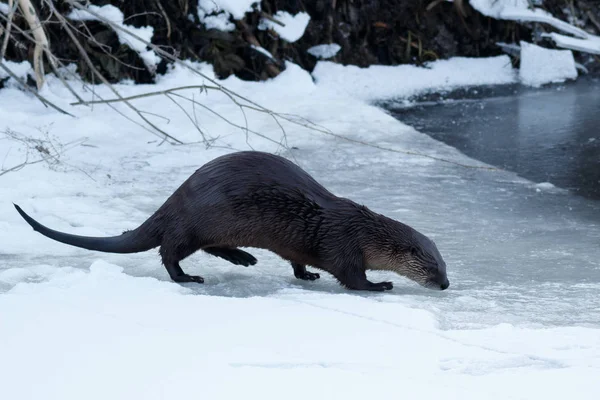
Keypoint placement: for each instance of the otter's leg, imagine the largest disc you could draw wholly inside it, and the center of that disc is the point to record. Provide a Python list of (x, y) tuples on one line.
[(234, 256), (352, 275), (300, 272), (171, 254)]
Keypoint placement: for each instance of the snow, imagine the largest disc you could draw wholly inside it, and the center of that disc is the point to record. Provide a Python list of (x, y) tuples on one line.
[(20, 69), (518, 10), (78, 324), (379, 82), (139, 337), (325, 51), (540, 65), (213, 17), (237, 8), (150, 58), (219, 21), (294, 25), (4, 8), (589, 45), (115, 16), (108, 12), (543, 186), (216, 14), (262, 51)]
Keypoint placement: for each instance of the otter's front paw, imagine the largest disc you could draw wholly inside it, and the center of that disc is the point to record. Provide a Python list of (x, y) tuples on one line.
[(308, 276), (382, 286)]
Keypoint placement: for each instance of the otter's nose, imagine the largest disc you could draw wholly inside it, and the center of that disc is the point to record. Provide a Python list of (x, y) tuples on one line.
[(445, 285)]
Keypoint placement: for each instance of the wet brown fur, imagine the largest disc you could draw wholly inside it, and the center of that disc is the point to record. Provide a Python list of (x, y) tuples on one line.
[(256, 199)]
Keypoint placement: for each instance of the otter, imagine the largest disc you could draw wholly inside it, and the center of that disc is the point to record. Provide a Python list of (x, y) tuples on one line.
[(261, 200)]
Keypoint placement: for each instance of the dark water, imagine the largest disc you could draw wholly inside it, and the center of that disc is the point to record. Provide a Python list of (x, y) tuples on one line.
[(522, 255), (544, 135)]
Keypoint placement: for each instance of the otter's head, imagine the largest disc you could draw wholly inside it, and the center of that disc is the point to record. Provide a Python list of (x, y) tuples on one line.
[(410, 254)]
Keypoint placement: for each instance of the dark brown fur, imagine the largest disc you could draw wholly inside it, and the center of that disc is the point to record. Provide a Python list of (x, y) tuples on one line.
[(255, 199)]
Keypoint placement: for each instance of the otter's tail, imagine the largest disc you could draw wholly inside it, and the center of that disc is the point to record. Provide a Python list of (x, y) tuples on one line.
[(141, 239)]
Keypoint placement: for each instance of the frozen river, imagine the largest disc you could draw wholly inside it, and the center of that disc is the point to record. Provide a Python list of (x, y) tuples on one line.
[(547, 134), (516, 253)]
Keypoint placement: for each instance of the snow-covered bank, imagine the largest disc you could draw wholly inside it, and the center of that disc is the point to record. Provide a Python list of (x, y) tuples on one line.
[(76, 324), (521, 10), (379, 82), (540, 65)]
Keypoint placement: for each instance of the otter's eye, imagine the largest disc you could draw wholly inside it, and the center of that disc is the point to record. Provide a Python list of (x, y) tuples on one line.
[(413, 250)]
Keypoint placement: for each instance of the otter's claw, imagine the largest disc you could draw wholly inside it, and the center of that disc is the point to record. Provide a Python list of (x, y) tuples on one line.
[(188, 278), (308, 276), (381, 286)]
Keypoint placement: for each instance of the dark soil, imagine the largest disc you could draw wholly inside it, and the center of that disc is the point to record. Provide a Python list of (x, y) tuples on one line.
[(387, 32)]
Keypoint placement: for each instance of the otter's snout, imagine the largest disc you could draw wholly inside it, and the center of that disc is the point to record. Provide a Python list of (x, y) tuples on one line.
[(436, 285)]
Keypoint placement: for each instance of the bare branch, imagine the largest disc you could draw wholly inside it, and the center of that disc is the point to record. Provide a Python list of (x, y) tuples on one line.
[(41, 40), (227, 120), (103, 47), (305, 122), (174, 94), (167, 21), (193, 120), (36, 94), (47, 150), (163, 53), (271, 18), (51, 57), (148, 94), (90, 64), (11, 13)]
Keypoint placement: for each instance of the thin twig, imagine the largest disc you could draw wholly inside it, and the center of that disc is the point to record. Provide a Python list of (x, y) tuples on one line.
[(232, 95), (106, 49), (194, 111), (239, 100), (12, 7), (148, 94), (287, 117), (593, 19), (51, 58), (167, 21), (271, 18), (20, 166), (53, 63), (193, 120), (140, 14), (41, 40), (163, 53), (95, 94), (90, 64), (309, 124), (227, 120), (46, 149), (35, 93)]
